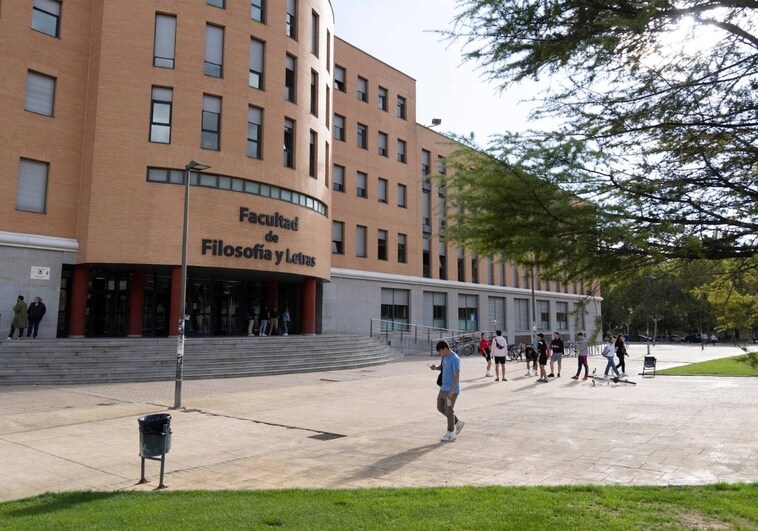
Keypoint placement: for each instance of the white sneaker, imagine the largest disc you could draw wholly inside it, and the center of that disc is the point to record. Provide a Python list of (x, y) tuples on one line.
[(459, 426), (528, 373), (448, 437), (624, 375), (488, 375)]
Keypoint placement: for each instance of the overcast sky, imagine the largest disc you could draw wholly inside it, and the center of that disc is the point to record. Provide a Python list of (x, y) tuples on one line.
[(400, 33)]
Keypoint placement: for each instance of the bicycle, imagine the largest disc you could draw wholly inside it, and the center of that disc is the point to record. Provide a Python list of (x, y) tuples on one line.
[(464, 346), (516, 352), (571, 350)]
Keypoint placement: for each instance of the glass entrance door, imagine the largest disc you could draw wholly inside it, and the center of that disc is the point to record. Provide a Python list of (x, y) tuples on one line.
[(108, 305)]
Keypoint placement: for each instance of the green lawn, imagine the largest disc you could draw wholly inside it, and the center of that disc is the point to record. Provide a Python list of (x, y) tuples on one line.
[(575, 508), (743, 365)]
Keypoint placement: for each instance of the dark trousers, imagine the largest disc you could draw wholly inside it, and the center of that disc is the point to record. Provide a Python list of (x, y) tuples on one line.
[(622, 363), (20, 331), (33, 328), (583, 363)]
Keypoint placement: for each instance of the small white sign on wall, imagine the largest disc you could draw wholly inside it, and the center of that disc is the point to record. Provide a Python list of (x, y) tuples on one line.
[(40, 273)]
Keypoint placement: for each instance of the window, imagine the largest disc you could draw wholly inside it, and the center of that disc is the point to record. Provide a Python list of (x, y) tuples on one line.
[(362, 89), (426, 255), (401, 151), (475, 269), (46, 17), (211, 124), (258, 10), (426, 162), (338, 178), (360, 184), (468, 312), (435, 309), (214, 51), (441, 165), (401, 107), (160, 115), (360, 241), (461, 265), (543, 307), (291, 19), (339, 78), (40, 93), (328, 51), (313, 154), (426, 212), (395, 305), (327, 164), (442, 211), (314, 33), (289, 78), (561, 315), (497, 311), (314, 93), (381, 101), (338, 237), (254, 132), (521, 307), (339, 127), (216, 3), (382, 147), (289, 143), (361, 134), (490, 272), (328, 112), (164, 44), (443, 260), (402, 256), (32, 185), (381, 244), (257, 53), (401, 196), (382, 190)]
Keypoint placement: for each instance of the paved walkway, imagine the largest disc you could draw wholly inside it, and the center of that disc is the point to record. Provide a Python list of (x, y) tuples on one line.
[(276, 432)]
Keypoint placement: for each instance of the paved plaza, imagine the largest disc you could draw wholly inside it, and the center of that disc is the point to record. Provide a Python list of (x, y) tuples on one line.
[(378, 427)]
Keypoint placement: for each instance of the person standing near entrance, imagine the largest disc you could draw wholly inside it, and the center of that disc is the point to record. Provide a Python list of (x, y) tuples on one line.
[(264, 321), (450, 365), (274, 322), (20, 319), (556, 346), (286, 320), (250, 320), (35, 313)]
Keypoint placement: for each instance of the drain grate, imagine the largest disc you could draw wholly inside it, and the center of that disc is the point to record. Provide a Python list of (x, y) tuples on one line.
[(326, 436)]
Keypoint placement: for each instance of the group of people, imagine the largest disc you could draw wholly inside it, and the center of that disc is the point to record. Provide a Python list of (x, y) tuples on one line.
[(268, 321), (615, 348), (27, 317)]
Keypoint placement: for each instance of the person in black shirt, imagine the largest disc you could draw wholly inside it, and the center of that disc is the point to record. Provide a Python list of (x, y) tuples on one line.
[(542, 352), (557, 347)]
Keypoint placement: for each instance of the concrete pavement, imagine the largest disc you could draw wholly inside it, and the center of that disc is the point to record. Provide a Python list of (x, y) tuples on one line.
[(379, 427)]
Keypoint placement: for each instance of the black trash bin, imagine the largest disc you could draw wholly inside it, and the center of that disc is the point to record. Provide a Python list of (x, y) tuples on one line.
[(154, 435)]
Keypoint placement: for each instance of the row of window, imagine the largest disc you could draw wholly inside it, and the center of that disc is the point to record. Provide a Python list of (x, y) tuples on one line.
[(361, 186), (361, 139), (258, 13), (395, 307), (361, 245), (362, 92), (237, 184)]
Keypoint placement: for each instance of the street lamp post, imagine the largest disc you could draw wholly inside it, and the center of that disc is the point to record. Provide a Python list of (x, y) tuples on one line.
[(198, 166)]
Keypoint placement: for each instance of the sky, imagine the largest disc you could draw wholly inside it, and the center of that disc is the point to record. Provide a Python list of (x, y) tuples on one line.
[(401, 33)]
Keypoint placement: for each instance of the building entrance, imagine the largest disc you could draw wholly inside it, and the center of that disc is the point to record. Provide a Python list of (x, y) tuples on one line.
[(108, 304)]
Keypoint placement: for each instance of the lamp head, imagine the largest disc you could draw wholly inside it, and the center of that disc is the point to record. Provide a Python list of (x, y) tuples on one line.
[(195, 165)]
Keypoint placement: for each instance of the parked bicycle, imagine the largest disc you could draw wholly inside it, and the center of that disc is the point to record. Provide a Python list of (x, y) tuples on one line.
[(464, 345), (516, 351)]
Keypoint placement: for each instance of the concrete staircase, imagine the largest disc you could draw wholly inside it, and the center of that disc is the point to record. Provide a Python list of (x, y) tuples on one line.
[(79, 361)]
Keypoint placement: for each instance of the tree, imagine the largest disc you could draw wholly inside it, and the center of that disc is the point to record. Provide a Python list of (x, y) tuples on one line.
[(736, 298), (657, 155)]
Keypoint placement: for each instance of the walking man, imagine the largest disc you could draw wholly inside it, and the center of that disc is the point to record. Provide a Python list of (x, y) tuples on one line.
[(450, 365), (557, 347), (582, 346)]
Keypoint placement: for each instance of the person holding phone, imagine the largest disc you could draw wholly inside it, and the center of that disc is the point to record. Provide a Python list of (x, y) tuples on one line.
[(450, 365)]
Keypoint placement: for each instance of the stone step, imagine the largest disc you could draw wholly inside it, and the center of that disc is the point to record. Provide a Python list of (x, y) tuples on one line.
[(67, 361)]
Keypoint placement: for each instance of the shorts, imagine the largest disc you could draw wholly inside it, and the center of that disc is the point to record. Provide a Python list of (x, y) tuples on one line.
[(556, 356), (500, 360), (531, 356), (487, 356), (543, 359)]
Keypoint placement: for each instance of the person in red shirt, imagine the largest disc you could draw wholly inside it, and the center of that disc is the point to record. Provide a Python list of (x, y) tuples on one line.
[(484, 350)]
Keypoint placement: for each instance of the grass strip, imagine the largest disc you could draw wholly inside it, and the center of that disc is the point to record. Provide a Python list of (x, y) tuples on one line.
[(720, 506), (742, 365)]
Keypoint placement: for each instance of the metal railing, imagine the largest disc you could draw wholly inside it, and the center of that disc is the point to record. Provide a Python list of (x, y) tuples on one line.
[(414, 339)]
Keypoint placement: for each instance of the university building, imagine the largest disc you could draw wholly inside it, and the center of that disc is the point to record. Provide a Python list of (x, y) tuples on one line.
[(317, 188)]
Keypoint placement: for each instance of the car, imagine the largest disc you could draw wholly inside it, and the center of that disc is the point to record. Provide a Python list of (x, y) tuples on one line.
[(676, 338), (694, 337)]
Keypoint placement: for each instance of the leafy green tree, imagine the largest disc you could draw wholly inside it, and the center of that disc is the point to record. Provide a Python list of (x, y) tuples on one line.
[(736, 298), (656, 157)]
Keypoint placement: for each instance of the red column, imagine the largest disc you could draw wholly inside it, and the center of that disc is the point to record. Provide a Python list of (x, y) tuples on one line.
[(77, 322), (136, 304), (173, 314), (308, 322)]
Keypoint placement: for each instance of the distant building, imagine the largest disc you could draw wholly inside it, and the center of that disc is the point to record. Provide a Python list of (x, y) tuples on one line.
[(318, 196)]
